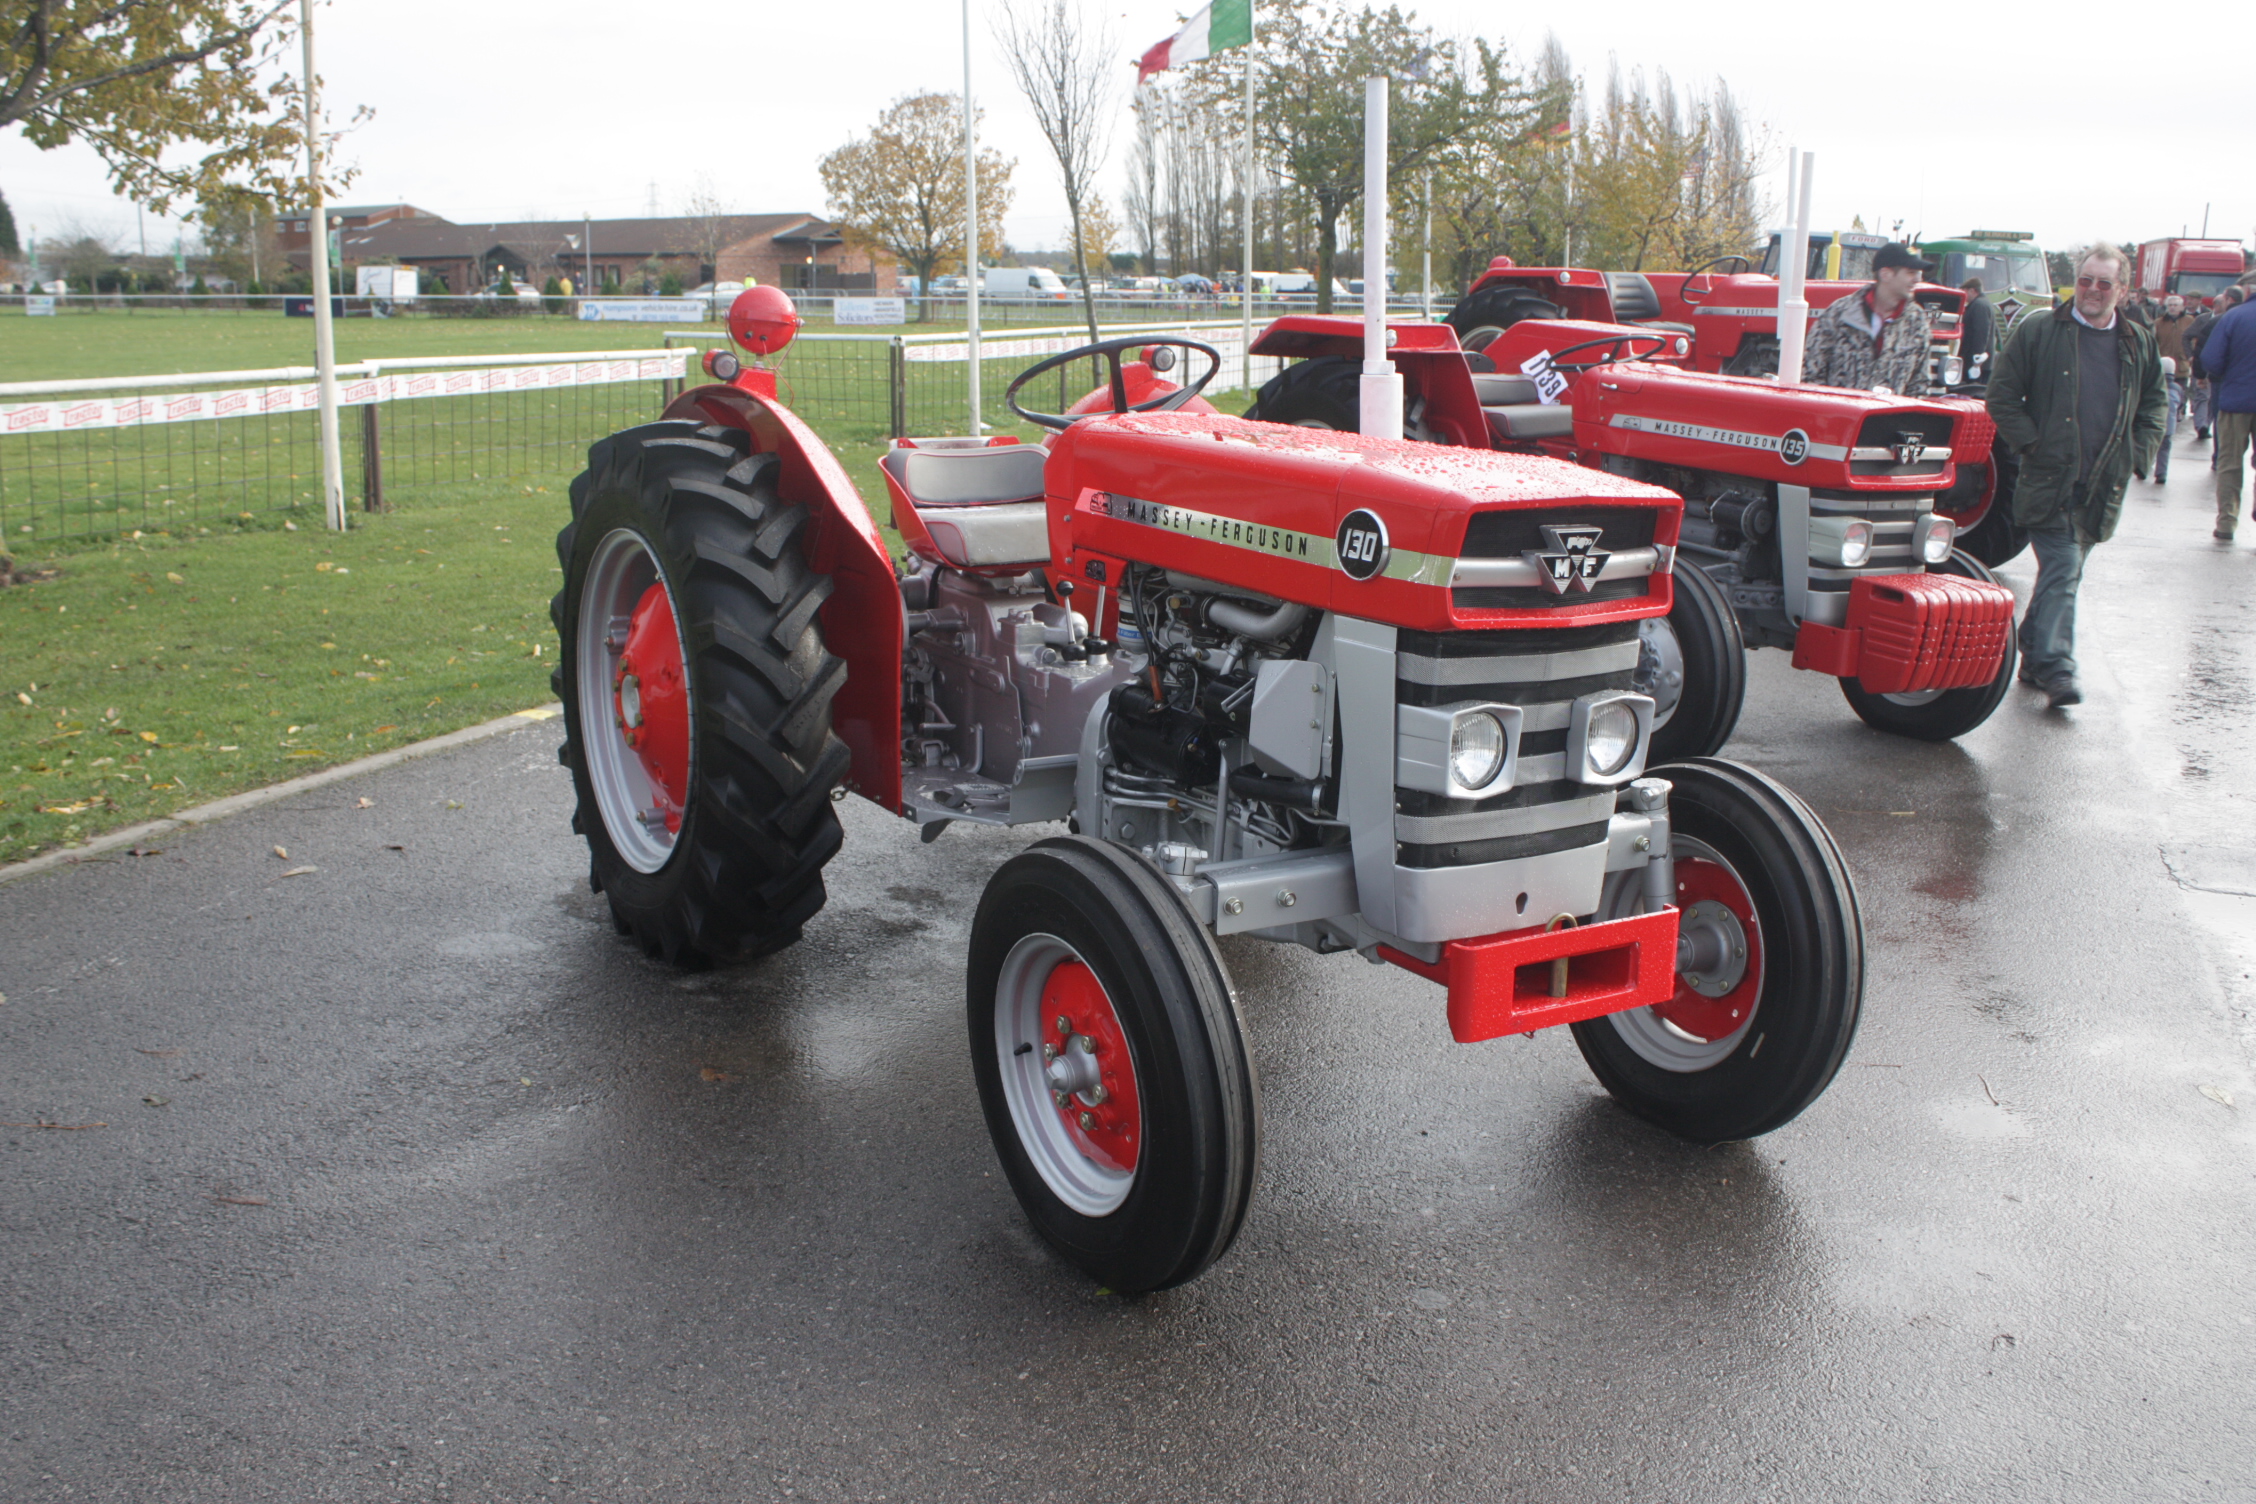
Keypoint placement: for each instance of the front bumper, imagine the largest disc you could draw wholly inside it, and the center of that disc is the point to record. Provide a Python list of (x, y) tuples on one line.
[(1508, 984)]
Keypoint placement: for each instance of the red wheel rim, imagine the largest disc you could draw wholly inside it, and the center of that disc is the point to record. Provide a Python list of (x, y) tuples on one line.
[(1104, 1119), (1711, 1018), (650, 701)]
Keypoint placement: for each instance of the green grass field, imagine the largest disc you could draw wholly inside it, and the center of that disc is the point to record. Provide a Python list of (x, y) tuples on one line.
[(180, 653)]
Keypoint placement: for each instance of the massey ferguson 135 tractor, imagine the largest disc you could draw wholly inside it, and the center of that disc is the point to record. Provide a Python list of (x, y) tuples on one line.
[(1724, 319), (1810, 514), (1353, 694)]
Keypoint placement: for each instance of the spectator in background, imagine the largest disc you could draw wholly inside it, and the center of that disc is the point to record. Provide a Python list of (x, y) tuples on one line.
[(2204, 396), (1977, 332), (2230, 355), (2170, 339), (2078, 397), (1876, 337)]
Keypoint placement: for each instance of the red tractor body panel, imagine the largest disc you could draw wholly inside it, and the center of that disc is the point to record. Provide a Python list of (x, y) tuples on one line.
[(1793, 435), (862, 621), (1199, 494)]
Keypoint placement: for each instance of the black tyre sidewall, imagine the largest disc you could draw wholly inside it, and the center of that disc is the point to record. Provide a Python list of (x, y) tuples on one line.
[(1499, 308), (1324, 391), (1813, 964), (1715, 668), (1954, 712), (1171, 994)]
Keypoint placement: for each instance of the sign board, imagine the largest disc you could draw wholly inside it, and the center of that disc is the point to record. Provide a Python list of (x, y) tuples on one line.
[(1549, 380), (869, 311), (641, 310), (398, 283), (39, 307)]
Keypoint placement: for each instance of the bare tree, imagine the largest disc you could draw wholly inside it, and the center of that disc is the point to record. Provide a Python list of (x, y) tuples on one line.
[(1142, 201), (708, 217), (1068, 74)]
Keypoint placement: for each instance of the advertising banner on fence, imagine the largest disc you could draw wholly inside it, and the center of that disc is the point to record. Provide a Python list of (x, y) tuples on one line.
[(37, 307), (73, 414), (641, 310), (869, 311)]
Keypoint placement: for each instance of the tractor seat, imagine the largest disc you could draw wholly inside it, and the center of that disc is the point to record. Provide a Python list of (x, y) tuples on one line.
[(981, 503), (1503, 388), (1521, 421)]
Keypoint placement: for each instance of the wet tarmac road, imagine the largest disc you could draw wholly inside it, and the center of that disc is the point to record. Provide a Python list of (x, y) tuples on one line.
[(418, 1183)]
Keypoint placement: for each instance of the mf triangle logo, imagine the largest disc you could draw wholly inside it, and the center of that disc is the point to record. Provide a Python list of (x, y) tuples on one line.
[(1574, 560)]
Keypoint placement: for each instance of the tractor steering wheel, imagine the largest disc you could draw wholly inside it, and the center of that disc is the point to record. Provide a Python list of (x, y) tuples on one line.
[(1743, 264), (1111, 350), (1660, 342)]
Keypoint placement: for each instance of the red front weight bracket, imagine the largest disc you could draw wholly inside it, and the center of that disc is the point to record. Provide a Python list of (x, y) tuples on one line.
[(1502, 984)]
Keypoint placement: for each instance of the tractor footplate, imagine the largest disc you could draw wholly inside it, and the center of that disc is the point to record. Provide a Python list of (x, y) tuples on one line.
[(1504, 984), (1912, 632)]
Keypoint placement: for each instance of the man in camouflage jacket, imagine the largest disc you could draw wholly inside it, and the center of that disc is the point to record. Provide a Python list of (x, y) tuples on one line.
[(1876, 336)]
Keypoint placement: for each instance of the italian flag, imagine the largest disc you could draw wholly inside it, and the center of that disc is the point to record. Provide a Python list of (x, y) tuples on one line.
[(1224, 24)]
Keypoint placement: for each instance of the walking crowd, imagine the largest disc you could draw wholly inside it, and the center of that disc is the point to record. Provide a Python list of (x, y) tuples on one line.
[(2085, 397)]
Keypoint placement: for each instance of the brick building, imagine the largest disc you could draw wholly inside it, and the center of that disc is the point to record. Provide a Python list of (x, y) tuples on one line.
[(790, 250)]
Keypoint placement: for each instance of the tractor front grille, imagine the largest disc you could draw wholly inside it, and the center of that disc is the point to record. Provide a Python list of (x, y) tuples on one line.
[(1512, 535), (1543, 670)]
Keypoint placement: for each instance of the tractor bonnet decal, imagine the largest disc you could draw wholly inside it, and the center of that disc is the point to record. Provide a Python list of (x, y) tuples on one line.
[(1792, 446), (1360, 533), (1574, 560)]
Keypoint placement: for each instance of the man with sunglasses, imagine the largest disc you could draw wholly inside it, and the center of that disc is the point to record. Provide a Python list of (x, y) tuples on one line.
[(2079, 396)]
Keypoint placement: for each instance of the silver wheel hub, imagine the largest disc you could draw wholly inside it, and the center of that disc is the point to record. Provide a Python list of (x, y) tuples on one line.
[(1711, 949), (1660, 667)]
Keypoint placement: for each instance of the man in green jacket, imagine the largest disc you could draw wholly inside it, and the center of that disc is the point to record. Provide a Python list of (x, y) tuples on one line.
[(2079, 397)]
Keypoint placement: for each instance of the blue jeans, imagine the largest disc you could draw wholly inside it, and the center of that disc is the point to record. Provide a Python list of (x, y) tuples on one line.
[(2048, 628)]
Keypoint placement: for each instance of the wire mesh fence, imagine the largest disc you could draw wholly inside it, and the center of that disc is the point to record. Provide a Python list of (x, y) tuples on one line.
[(114, 457)]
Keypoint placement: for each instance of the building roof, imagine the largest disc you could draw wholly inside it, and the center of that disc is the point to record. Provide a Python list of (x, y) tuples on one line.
[(425, 238)]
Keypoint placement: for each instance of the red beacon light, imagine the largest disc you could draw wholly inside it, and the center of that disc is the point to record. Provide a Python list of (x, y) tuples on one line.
[(762, 320)]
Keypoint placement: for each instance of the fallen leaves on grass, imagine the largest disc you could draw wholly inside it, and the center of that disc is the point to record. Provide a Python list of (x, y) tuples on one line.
[(300, 871)]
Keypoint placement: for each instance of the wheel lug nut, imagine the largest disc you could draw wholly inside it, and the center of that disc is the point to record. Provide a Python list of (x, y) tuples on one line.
[(1049, 1051), (1065, 1025), (1088, 1122), (1059, 1098), (1097, 1093), (1084, 1044)]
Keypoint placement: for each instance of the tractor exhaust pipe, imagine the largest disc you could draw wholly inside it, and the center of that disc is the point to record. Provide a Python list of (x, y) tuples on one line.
[(1793, 307), (1382, 384)]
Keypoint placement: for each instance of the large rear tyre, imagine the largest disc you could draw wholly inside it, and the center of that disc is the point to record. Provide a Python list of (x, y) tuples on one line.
[(1995, 537), (1481, 316), (1770, 962), (1938, 715), (1323, 392), (1693, 662), (696, 694), (1117, 1087)]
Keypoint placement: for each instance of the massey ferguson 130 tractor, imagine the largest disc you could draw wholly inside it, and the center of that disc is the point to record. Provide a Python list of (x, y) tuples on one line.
[(1358, 695), (1811, 520), (1724, 319)]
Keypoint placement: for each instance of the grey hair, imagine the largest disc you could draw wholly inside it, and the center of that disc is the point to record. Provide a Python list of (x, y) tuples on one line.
[(2108, 251)]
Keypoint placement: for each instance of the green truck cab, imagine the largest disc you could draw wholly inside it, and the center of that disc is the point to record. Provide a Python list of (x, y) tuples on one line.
[(2010, 263)]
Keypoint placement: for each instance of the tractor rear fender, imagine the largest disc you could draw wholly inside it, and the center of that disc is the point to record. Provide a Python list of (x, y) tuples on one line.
[(1433, 367), (863, 621), (1577, 292)]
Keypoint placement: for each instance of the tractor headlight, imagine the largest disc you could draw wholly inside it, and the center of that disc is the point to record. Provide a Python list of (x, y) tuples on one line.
[(1936, 535), (1954, 370), (1461, 751), (1606, 737), (1846, 541), (1476, 749)]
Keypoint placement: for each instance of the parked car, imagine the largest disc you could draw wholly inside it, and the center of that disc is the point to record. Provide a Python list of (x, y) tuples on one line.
[(1023, 284)]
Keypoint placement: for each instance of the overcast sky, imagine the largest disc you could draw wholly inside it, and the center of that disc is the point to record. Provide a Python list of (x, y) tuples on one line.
[(491, 112)]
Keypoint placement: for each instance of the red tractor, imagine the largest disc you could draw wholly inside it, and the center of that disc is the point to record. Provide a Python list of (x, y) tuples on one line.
[(1726, 317), (1312, 688), (1813, 520)]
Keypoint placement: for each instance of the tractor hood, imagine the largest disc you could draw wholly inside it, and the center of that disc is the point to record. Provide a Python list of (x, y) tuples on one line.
[(1417, 535), (1815, 436)]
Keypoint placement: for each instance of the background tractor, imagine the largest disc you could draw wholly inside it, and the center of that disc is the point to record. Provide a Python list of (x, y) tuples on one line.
[(1354, 694), (1812, 518)]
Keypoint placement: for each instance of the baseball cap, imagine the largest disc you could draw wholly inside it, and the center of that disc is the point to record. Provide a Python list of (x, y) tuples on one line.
[(1895, 253)]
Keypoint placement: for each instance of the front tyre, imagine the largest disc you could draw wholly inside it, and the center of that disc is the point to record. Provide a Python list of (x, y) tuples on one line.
[(1116, 1084), (696, 694), (1693, 662), (1938, 715), (1770, 964)]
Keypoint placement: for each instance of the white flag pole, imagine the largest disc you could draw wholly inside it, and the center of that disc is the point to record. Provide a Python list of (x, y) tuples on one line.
[(324, 330), (971, 228), (1382, 384), (1245, 281), (1793, 307)]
